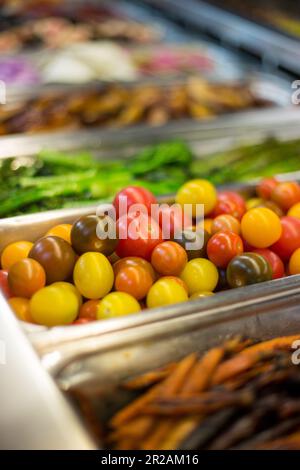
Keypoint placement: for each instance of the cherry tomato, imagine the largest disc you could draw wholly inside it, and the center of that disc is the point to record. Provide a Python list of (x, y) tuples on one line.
[(56, 256), (133, 261), (295, 211), (201, 294), (266, 187), (231, 203), (93, 275), (53, 306), (117, 304), (89, 232), (261, 227), (226, 222), (273, 207), (68, 285), (15, 252), (4, 286), (275, 262), (290, 238), (196, 192), (138, 236), (206, 224), (248, 268), (294, 263), (130, 196), (26, 277), (194, 243), (21, 308), (286, 195), (222, 282), (223, 246), (169, 258), (82, 321), (253, 202), (200, 274), (62, 231), (166, 291), (134, 280), (88, 310), (173, 220)]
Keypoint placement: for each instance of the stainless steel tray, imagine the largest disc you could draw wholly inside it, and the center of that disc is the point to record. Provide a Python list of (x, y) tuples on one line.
[(273, 47)]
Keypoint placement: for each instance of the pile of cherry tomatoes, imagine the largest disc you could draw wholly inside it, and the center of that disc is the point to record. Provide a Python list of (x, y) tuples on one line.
[(71, 276)]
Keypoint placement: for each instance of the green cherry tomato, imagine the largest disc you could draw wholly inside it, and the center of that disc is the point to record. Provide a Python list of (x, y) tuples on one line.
[(248, 268), (85, 235), (200, 274), (117, 304), (54, 305), (93, 275)]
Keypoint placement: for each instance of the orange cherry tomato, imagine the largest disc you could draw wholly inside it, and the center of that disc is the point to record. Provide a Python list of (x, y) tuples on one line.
[(134, 280), (62, 231), (4, 287), (169, 258), (286, 194), (266, 187), (26, 277), (226, 222), (88, 310), (15, 252), (21, 308), (133, 261)]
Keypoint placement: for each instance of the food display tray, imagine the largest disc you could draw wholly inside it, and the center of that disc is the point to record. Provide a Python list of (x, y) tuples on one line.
[(272, 46)]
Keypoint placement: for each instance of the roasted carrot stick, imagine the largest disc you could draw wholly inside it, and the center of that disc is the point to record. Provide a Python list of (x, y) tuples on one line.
[(150, 378)]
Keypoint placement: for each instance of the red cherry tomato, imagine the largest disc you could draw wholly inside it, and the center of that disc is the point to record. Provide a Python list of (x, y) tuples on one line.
[(4, 286), (173, 220), (229, 202), (265, 187), (88, 310), (286, 195), (137, 236), (274, 261), (223, 246), (133, 195), (290, 238)]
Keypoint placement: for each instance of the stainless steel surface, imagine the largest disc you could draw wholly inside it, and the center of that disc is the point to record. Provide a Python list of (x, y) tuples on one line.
[(33, 412), (272, 46)]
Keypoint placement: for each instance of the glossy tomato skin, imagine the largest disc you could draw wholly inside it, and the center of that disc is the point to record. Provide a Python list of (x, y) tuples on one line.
[(117, 304), (15, 252), (190, 240), (261, 227), (226, 222), (62, 231), (173, 220), (88, 310), (290, 238), (231, 203), (169, 258), (56, 256), (273, 207), (21, 308), (295, 211), (26, 277), (196, 192), (166, 291), (86, 235), (133, 195), (286, 194), (142, 234), (200, 274), (294, 263), (266, 187), (275, 262), (223, 246), (133, 261), (248, 268), (4, 286), (93, 275), (134, 280)]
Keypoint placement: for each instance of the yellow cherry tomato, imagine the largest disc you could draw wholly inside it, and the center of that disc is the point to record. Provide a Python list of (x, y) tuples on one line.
[(294, 211), (62, 231), (197, 192), (15, 252), (200, 274), (200, 294), (166, 291), (93, 275), (54, 305), (71, 287), (117, 304), (253, 202), (261, 227), (294, 263), (21, 307)]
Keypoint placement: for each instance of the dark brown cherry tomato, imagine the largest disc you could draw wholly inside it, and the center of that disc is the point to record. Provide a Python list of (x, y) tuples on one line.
[(223, 246), (86, 235), (56, 256), (274, 261), (290, 238), (248, 268), (265, 187), (190, 240), (26, 277)]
